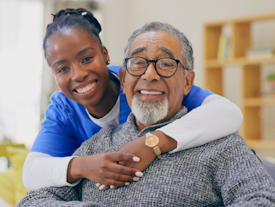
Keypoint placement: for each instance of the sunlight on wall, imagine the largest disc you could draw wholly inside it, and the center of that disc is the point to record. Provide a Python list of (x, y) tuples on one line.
[(21, 27)]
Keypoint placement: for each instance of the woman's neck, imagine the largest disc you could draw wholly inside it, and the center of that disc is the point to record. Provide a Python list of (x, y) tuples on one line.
[(108, 100)]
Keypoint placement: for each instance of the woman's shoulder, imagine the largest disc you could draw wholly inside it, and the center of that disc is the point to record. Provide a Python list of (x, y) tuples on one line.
[(62, 104), (114, 68)]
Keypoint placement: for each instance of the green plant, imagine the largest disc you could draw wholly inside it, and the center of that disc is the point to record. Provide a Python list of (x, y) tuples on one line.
[(271, 76)]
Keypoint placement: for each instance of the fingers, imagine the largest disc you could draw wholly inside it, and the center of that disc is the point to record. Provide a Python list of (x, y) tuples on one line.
[(121, 156)]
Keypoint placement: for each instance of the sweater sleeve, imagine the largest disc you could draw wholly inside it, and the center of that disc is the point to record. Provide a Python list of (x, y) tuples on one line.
[(55, 197), (241, 177), (42, 170), (215, 118)]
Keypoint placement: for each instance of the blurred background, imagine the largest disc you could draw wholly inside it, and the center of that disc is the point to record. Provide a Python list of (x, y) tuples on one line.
[(26, 82)]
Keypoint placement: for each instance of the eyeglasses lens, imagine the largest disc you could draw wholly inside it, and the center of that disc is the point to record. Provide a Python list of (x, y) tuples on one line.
[(165, 66)]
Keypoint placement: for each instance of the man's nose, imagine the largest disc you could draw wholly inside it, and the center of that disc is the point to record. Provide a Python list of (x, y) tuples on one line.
[(78, 72), (151, 73)]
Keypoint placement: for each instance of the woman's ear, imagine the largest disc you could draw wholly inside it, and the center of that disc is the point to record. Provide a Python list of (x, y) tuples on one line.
[(189, 80), (122, 78), (106, 55)]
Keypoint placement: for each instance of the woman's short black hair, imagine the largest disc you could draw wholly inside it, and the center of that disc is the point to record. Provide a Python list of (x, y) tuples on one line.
[(70, 19)]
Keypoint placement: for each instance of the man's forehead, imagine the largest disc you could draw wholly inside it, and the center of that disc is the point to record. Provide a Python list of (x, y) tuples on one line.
[(158, 41)]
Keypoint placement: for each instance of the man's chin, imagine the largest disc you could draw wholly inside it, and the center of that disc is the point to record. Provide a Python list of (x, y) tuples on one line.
[(149, 112)]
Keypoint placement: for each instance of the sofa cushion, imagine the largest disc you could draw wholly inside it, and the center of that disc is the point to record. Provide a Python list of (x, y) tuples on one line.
[(17, 157)]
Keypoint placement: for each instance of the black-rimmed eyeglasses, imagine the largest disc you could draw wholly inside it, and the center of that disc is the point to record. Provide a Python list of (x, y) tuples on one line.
[(165, 67)]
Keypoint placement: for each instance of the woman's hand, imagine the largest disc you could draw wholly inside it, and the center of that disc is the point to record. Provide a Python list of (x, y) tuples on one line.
[(145, 153), (104, 168)]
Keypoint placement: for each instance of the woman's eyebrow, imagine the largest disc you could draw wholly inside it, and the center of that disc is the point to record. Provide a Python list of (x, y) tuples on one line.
[(84, 50), (79, 53), (59, 61)]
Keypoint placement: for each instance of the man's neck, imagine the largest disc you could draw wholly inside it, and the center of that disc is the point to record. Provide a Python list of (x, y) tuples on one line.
[(141, 126)]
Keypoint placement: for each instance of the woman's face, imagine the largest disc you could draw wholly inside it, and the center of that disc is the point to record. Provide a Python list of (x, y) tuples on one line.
[(79, 65)]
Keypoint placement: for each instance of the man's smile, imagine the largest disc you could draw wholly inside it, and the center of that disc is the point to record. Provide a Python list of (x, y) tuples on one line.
[(144, 92)]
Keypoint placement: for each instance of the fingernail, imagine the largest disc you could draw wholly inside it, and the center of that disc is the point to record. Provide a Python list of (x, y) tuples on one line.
[(112, 186), (136, 159), (127, 183), (102, 187), (139, 174), (135, 178), (98, 184)]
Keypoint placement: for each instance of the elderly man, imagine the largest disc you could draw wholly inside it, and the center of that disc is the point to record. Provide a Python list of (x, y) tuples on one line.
[(157, 74)]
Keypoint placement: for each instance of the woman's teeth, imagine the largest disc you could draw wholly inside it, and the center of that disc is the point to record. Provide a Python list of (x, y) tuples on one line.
[(86, 88), (150, 92)]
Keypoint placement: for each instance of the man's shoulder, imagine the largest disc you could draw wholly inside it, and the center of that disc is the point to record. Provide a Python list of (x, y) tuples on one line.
[(229, 145), (99, 142)]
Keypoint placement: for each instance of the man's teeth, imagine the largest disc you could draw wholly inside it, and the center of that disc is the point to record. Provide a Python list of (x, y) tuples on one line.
[(86, 88), (151, 92)]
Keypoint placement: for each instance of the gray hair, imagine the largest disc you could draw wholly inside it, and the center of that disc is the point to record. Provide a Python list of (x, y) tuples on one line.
[(187, 51)]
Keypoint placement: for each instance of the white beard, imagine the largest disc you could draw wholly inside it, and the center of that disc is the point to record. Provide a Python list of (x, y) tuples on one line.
[(149, 112)]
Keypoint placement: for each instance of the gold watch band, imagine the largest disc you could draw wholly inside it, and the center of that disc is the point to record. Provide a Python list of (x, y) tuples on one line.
[(153, 143), (157, 151)]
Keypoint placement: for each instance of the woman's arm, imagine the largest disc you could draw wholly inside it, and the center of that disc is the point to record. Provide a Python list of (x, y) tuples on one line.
[(215, 118), (42, 170)]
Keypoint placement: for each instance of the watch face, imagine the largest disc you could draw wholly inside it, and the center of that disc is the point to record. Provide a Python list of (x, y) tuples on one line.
[(152, 141)]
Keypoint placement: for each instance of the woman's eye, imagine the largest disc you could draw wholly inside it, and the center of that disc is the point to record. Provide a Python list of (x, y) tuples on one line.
[(63, 69), (86, 59)]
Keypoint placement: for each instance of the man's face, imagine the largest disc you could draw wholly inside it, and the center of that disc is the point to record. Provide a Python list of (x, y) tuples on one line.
[(150, 87)]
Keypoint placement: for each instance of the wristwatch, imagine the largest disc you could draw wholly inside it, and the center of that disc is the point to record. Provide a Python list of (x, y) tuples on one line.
[(152, 141)]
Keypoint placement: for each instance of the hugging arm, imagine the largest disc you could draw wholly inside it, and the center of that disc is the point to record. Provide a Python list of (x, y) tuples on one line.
[(216, 117)]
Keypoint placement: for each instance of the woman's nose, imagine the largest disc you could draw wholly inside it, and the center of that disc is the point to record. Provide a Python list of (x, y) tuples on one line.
[(78, 73)]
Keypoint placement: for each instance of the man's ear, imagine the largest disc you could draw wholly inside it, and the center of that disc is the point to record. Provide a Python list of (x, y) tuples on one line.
[(122, 78), (189, 80), (106, 55)]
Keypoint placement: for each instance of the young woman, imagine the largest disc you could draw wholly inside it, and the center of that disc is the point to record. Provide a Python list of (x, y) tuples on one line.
[(91, 98)]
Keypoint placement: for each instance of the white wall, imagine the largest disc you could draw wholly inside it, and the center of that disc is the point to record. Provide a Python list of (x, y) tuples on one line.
[(122, 17)]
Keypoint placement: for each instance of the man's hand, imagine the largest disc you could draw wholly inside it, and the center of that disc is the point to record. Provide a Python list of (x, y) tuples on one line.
[(104, 168)]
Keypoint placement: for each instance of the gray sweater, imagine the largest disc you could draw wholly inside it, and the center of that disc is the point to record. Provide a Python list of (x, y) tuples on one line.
[(221, 173)]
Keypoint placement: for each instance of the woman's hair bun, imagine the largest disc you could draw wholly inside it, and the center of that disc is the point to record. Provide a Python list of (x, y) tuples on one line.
[(78, 12)]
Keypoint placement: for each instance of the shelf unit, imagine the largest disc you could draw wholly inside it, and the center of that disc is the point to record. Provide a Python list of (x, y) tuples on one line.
[(251, 98)]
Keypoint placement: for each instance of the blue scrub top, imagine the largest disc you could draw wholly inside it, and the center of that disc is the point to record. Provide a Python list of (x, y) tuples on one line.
[(67, 124)]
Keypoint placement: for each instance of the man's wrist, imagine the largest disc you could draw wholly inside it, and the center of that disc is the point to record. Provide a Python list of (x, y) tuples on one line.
[(166, 143)]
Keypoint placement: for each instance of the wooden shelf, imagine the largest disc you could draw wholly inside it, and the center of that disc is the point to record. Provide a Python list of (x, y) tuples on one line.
[(213, 63), (253, 144), (250, 102), (238, 32)]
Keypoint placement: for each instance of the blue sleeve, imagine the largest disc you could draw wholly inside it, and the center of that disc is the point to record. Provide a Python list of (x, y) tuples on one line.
[(115, 68), (195, 97), (65, 127)]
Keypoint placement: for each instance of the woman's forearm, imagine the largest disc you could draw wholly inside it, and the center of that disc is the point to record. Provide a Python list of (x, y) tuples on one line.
[(42, 170)]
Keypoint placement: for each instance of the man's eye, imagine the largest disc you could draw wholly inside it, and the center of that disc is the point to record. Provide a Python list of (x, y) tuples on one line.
[(63, 69), (86, 59)]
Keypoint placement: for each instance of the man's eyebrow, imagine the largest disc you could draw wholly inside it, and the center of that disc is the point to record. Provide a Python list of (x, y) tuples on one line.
[(166, 50), (137, 50)]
